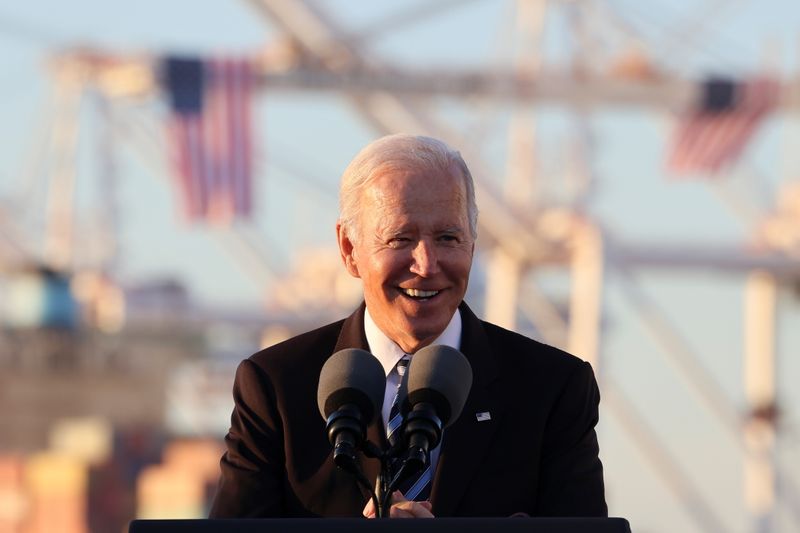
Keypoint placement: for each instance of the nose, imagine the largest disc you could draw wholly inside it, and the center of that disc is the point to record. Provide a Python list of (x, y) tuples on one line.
[(425, 262)]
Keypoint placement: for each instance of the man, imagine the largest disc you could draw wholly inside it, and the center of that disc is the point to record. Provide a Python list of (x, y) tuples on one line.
[(525, 441)]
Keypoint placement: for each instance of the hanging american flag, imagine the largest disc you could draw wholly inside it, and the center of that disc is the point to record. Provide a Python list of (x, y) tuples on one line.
[(714, 135), (210, 136)]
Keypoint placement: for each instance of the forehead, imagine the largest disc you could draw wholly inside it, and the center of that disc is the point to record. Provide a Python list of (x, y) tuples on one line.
[(419, 191)]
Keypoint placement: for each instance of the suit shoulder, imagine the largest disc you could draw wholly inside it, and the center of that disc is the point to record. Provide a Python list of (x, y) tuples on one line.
[(299, 351), (519, 350)]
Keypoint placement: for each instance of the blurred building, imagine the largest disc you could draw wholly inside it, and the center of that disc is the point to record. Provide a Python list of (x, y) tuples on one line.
[(92, 479), (183, 484), (14, 502), (114, 402)]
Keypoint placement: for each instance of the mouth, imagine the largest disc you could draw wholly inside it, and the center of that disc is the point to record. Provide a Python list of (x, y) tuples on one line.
[(418, 295)]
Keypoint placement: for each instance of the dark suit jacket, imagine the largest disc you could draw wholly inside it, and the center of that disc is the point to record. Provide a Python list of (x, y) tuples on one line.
[(538, 453)]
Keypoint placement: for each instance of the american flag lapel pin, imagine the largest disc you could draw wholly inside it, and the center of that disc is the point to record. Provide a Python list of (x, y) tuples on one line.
[(483, 416)]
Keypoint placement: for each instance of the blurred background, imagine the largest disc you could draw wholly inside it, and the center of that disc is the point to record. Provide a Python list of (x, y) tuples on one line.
[(168, 181)]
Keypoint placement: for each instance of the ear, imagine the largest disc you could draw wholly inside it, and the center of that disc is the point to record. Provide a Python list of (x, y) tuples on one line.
[(346, 249)]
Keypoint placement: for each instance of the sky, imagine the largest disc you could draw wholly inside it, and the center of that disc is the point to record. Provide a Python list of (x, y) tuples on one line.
[(308, 138)]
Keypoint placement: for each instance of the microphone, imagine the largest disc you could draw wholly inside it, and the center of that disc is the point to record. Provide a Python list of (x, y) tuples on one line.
[(439, 380), (349, 397)]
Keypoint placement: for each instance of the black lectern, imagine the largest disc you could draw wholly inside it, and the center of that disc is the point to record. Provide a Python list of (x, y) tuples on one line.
[(360, 525)]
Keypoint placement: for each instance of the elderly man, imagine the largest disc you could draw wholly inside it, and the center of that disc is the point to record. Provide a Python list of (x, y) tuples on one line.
[(525, 441)]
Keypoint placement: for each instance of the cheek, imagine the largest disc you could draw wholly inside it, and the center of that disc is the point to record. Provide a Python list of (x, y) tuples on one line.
[(374, 273), (459, 263), (389, 264)]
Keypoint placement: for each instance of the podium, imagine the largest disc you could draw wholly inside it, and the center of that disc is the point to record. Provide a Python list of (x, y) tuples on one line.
[(361, 525)]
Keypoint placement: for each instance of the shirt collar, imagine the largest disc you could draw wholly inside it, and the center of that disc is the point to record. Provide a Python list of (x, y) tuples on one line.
[(389, 353)]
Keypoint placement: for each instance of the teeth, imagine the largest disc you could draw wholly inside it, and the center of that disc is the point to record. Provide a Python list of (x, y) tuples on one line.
[(417, 293)]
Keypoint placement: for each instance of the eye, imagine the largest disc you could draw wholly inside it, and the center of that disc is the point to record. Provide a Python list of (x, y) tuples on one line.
[(398, 242)]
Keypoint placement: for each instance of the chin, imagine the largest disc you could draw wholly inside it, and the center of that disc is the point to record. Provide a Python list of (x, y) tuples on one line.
[(424, 337)]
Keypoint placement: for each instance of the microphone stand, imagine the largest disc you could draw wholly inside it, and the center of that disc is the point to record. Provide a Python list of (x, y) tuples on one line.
[(387, 481), (381, 494)]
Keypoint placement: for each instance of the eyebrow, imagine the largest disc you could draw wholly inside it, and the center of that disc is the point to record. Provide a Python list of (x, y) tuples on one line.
[(451, 229), (402, 230)]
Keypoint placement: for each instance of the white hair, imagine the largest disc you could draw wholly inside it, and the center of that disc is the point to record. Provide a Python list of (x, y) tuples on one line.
[(406, 152)]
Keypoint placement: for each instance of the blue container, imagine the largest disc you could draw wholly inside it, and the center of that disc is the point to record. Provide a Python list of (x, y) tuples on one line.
[(41, 298)]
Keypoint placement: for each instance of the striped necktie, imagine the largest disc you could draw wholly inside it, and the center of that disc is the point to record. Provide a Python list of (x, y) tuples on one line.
[(395, 418), (417, 487)]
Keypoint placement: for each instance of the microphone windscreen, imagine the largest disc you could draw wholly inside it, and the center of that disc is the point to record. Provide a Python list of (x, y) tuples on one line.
[(351, 376), (442, 376)]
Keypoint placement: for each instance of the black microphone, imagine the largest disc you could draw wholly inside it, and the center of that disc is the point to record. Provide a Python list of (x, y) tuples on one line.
[(439, 380), (349, 396)]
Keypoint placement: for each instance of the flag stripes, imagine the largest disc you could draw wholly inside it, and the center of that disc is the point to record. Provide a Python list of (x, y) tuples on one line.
[(210, 135), (714, 136)]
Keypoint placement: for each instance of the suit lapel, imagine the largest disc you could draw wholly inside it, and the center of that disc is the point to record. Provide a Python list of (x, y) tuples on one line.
[(467, 440), (352, 335)]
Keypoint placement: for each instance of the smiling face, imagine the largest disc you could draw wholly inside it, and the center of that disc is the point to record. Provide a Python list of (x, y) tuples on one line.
[(413, 252)]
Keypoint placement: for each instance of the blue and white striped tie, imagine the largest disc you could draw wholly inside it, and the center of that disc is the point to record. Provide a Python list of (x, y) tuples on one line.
[(395, 418), (417, 487)]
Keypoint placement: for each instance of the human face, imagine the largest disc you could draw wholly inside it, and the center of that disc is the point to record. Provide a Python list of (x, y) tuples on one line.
[(413, 252)]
